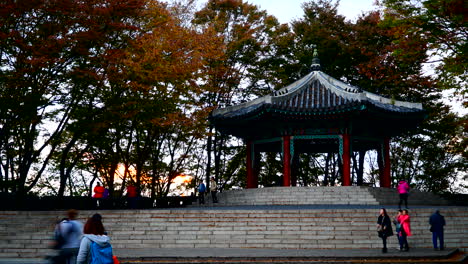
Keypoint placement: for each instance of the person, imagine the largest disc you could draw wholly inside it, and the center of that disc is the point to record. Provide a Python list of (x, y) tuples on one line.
[(132, 196), (98, 193), (403, 190), (71, 231), (437, 222), (105, 194), (384, 227), (397, 225), (405, 231), (93, 232), (213, 190), (105, 199), (201, 193)]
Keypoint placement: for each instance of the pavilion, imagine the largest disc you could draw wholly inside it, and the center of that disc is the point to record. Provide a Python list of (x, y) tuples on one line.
[(317, 114)]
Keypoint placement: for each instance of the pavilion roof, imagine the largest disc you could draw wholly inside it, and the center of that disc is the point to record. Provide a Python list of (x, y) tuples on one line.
[(317, 94), (318, 104)]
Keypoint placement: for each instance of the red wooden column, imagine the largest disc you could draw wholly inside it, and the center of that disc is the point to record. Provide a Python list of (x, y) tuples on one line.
[(286, 160), (386, 182), (249, 165), (346, 160)]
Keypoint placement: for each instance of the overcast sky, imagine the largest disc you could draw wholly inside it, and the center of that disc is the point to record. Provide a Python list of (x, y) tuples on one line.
[(287, 10)]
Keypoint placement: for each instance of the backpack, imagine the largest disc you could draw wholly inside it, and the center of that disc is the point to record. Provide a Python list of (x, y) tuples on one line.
[(101, 255)]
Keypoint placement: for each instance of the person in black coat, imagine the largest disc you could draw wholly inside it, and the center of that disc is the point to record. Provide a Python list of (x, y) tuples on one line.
[(437, 222), (384, 228)]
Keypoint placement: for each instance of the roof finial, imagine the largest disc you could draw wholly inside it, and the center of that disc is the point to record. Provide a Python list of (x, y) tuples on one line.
[(315, 61)]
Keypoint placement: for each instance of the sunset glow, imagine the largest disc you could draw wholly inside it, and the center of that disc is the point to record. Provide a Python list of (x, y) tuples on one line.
[(121, 170), (182, 179)]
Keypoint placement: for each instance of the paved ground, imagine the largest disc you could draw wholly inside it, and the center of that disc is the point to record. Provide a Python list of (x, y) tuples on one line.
[(256, 253)]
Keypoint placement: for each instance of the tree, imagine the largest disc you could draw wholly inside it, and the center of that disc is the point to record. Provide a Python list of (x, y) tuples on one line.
[(429, 159), (248, 68), (443, 26), (48, 48), (166, 69)]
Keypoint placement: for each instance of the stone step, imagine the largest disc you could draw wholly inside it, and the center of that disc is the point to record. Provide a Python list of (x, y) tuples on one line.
[(299, 260), (358, 195), (28, 234), (249, 255)]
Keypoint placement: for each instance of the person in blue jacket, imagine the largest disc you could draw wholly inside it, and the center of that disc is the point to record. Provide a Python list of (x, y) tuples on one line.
[(437, 222), (201, 193)]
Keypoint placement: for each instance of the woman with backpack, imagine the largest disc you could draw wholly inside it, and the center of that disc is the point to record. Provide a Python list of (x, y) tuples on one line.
[(95, 245)]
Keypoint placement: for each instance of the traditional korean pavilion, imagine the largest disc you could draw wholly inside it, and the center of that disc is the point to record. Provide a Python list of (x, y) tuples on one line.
[(317, 114)]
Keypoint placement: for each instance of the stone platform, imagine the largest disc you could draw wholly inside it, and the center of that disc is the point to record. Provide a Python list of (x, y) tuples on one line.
[(338, 195), (262, 228), (28, 234)]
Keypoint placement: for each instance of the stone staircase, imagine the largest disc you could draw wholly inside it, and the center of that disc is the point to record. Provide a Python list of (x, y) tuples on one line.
[(340, 195), (386, 196), (27, 234)]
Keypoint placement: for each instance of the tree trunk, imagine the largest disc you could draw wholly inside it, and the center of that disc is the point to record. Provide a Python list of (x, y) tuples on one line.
[(326, 178), (360, 168), (208, 160), (380, 164)]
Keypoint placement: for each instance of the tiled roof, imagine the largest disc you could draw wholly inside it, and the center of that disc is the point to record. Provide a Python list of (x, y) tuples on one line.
[(317, 93)]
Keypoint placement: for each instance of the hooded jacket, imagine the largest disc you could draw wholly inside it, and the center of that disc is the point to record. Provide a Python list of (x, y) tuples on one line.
[(405, 224), (84, 255), (403, 187)]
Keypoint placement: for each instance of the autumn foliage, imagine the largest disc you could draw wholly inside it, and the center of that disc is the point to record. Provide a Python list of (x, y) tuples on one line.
[(87, 87)]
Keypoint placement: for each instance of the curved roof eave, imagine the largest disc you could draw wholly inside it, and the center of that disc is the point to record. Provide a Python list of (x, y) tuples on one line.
[(335, 86)]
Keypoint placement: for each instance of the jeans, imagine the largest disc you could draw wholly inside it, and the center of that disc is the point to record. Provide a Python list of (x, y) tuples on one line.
[(403, 242), (213, 197), (438, 235), (201, 197)]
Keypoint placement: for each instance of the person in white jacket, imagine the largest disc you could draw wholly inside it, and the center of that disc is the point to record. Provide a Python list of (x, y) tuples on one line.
[(93, 232)]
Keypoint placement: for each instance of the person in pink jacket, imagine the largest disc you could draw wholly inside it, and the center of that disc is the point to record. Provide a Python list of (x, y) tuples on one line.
[(403, 189), (405, 231)]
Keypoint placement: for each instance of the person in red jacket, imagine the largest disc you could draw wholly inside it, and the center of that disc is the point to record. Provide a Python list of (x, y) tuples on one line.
[(132, 196), (405, 231), (98, 193)]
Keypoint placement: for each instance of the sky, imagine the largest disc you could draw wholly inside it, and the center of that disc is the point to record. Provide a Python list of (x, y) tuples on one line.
[(287, 10)]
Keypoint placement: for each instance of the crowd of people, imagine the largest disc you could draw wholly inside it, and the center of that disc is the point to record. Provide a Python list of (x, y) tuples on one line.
[(101, 196), (80, 244), (403, 228), (402, 223)]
